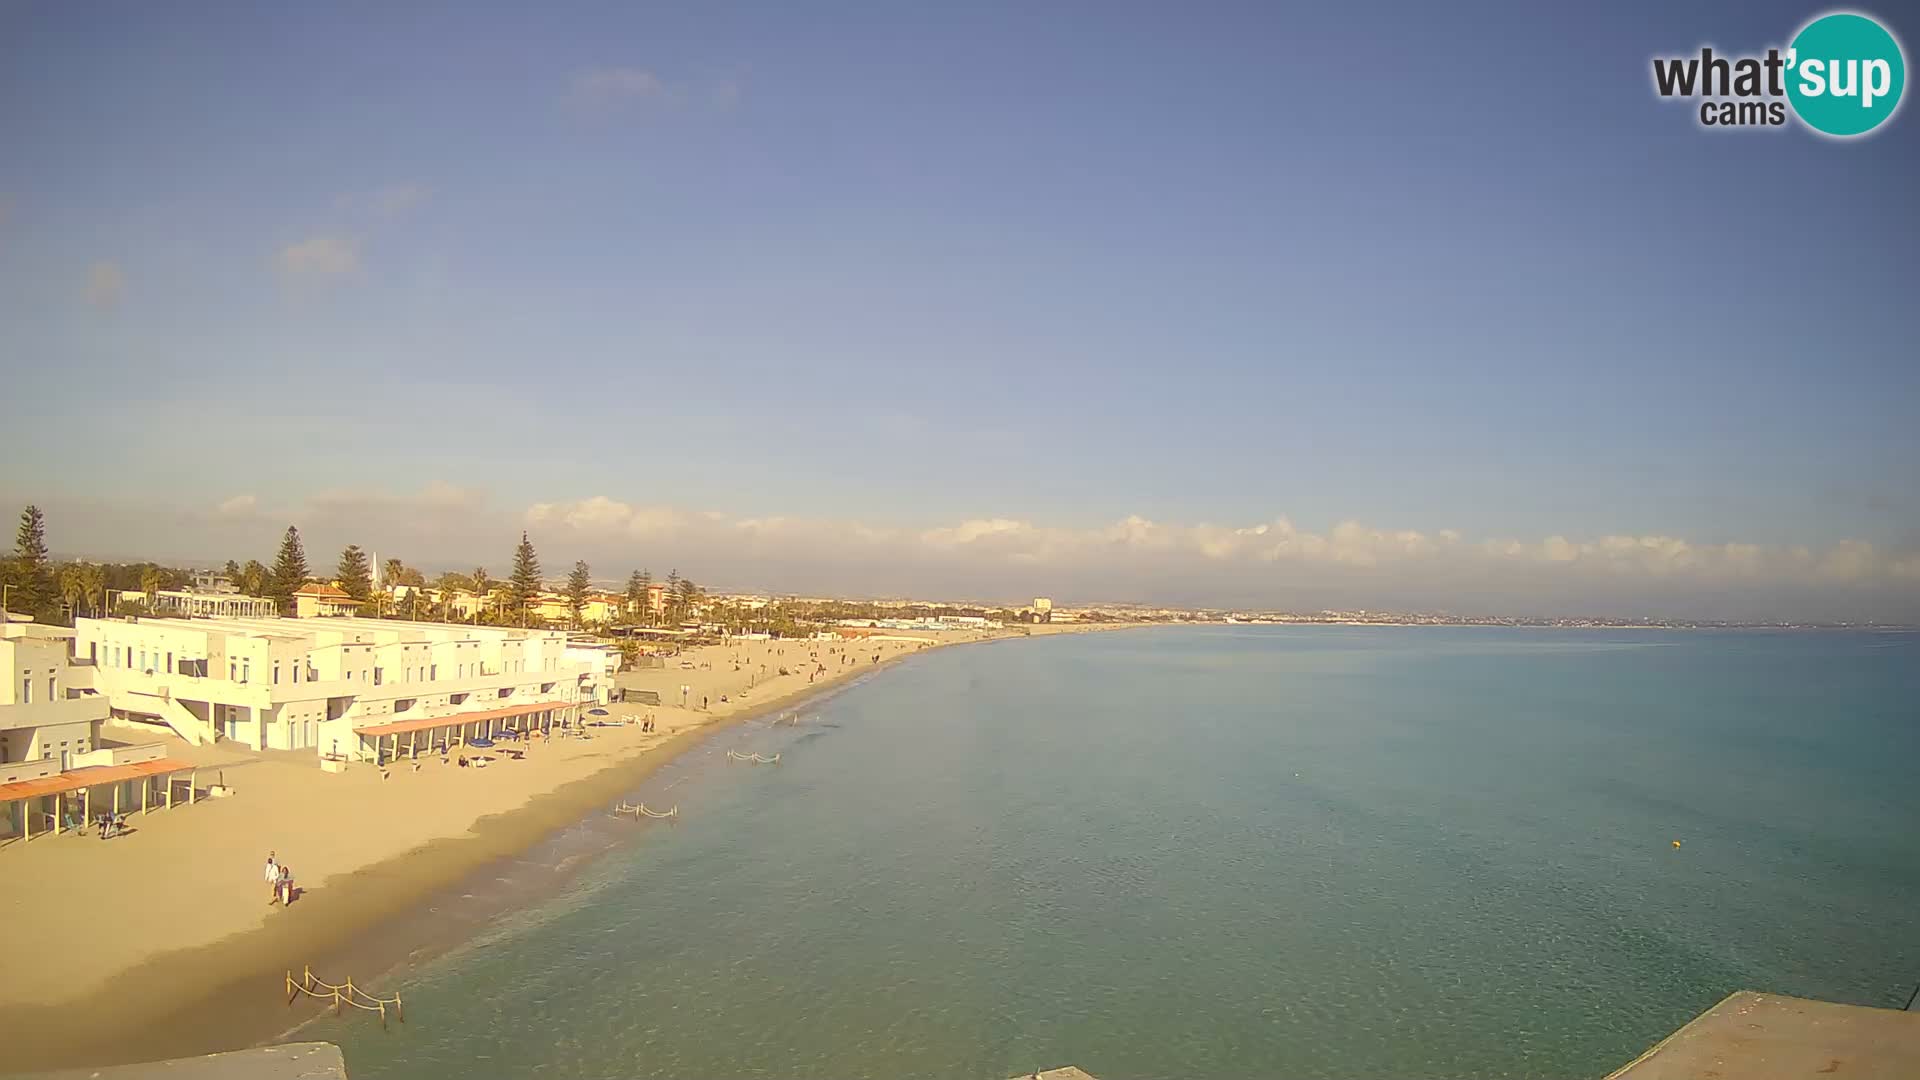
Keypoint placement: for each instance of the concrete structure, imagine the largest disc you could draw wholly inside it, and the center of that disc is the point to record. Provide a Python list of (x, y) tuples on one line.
[(212, 581), (1042, 604), (191, 603), (54, 773), (293, 684), (1753, 1036), (48, 710), (314, 600), (287, 1061)]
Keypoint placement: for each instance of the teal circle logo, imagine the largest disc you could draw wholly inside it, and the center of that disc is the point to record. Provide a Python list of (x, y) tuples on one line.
[(1845, 74)]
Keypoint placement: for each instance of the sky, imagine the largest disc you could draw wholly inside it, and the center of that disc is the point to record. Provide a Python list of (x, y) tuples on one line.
[(1406, 306)]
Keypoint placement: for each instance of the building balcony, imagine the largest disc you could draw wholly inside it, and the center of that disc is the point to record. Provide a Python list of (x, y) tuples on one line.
[(46, 713)]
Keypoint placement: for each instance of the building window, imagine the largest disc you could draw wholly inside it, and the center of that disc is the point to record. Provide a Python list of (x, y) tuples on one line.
[(233, 671), (169, 663), (143, 659), (246, 670), (376, 676), (433, 672), (26, 691), (276, 673), (52, 695)]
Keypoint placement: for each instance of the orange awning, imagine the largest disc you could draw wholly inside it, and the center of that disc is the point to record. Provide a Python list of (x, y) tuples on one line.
[(75, 779), (401, 727)]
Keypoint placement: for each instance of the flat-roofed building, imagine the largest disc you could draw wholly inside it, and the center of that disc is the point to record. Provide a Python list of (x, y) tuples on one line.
[(294, 684), (54, 771), (195, 603)]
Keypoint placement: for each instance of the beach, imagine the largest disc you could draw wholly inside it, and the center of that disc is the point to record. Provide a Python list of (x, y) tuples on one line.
[(168, 944)]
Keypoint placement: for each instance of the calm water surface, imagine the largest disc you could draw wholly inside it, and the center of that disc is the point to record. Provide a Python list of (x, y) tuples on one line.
[(1313, 852)]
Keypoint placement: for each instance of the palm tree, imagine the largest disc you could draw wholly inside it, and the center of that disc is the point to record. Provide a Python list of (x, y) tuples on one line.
[(73, 586), (94, 581), (151, 581), (482, 588)]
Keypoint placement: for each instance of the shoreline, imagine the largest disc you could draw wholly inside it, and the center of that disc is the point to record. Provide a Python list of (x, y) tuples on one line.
[(369, 922)]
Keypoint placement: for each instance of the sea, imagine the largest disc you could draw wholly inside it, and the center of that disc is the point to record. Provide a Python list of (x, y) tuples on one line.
[(1235, 851)]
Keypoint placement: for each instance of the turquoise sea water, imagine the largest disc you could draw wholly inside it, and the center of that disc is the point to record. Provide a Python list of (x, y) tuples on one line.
[(1258, 852)]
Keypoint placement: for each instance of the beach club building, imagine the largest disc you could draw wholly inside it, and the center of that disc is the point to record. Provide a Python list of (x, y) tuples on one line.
[(342, 686), (54, 772)]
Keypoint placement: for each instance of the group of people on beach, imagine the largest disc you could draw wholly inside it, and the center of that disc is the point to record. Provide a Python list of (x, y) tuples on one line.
[(279, 880)]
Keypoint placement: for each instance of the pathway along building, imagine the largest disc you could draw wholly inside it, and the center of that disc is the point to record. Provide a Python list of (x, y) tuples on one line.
[(294, 684)]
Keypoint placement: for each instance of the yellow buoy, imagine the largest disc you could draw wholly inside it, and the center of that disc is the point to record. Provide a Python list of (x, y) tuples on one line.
[(1676, 844)]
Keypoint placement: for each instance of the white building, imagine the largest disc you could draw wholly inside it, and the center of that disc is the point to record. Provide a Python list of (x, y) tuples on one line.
[(197, 603), (54, 773), (324, 684), (47, 712)]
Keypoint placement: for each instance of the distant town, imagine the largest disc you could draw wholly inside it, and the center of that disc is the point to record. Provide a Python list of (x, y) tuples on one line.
[(362, 585)]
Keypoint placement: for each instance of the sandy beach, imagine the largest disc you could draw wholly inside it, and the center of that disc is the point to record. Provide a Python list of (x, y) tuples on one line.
[(173, 947)]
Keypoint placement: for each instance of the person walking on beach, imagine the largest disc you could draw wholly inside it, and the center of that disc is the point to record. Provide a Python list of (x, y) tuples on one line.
[(286, 887), (272, 879)]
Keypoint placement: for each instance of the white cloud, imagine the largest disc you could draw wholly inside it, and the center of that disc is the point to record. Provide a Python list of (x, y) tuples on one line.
[(105, 284), (322, 255), (1272, 563), (1135, 545)]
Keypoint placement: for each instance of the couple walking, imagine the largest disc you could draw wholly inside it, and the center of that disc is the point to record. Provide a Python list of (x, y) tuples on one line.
[(279, 880)]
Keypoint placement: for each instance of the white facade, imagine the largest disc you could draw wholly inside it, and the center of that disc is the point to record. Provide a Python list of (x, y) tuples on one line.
[(294, 684), (203, 604), (48, 712)]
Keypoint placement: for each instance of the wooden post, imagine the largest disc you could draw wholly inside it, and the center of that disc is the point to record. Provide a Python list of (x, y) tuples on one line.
[(193, 785), (116, 800), (170, 791), (146, 789)]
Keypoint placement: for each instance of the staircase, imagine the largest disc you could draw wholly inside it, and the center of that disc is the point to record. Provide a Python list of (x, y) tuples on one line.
[(184, 722)]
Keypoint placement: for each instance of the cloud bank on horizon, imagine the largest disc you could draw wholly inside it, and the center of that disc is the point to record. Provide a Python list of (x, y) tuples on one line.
[(1267, 564)]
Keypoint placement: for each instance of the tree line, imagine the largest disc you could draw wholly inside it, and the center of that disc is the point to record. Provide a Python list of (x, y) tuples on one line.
[(59, 592)]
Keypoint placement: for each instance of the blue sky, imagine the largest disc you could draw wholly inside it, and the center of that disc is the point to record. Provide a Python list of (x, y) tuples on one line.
[(899, 267)]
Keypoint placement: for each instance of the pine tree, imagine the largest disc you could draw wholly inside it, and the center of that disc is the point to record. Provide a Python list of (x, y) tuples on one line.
[(646, 595), (253, 578), (356, 577), (289, 570), (33, 591), (672, 597), (578, 583), (526, 575), (636, 593)]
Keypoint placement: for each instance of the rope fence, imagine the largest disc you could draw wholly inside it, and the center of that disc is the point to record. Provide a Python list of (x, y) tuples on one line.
[(643, 810), (757, 759), (342, 994)]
